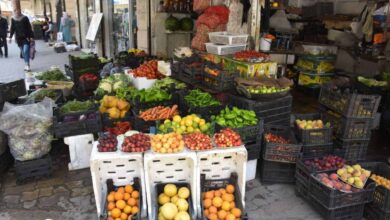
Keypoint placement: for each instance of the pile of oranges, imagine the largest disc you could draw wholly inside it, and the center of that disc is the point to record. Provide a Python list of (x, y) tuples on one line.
[(219, 204), (122, 204)]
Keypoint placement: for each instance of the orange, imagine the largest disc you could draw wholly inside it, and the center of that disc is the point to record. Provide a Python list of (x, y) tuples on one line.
[(233, 205), (212, 209), (230, 188), (226, 205), (206, 212), (131, 202), (112, 193), (110, 197), (121, 189), (129, 218), (209, 195), (110, 206), (222, 214), (129, 188), (126, 196), (227, 197), (135, 194), (120, 204), (230, 216), (213, 216), (127, 209), (123, 216), (110, 218), (217, 193), (236, 212), (217, 202), (134, 210), (118, 196), (223, 191), (207, 203), (115, 213)]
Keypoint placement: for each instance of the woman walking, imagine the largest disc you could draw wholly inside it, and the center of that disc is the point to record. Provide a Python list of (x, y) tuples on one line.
[(66, 27), (21, 27)]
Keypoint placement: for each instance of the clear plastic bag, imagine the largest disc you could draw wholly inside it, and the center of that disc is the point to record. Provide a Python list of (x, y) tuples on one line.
[(28, 128)]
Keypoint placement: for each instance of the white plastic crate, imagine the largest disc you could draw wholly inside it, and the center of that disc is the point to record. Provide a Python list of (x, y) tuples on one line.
[(224, 49), (121, 168), (219, 164), (169, 168), (228, 38), (80, 148), (251, 168)]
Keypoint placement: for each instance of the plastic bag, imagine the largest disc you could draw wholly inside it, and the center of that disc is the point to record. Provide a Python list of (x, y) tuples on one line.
[(28, 128)]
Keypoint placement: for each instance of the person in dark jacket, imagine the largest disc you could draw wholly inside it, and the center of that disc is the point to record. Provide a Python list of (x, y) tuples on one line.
[(21, 27), (3, 36)]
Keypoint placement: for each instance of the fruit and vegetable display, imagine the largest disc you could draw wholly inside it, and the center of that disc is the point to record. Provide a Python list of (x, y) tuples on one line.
[(317, 67), (136, 52), (114, 107), (89, 79), (173, 203), (54, 74), (212, 71), (112, 84), (250, 56), (372, 82), (381, 181), (311, 124), (197, 98), (148, 70), (235, 118), (77, 106), (167, 143), (151, 95), (354, 175), (107, 143), (136, 143), (277, 139), (266, 90), (123, 203), (220, 204), (198, 141), (227, 138), (158, 113), (186, 125), (332, 181), (119, 128), (262, 87), (329, 162), (167, 82)]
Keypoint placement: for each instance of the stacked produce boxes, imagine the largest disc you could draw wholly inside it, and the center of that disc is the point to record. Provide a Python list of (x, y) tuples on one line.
[(314, 70)]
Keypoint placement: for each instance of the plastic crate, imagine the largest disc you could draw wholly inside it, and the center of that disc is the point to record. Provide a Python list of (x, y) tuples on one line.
[(248, 133), (141, 125), (31, 169), (355, 150), (334, 199), (283, 120), (12, 90), (77, 127), (276, 172), (75, 74), (220, 164), (350, 105), (6, 161), (88, 85), (311, 151), (108, 122), (382, 195), (169, 168), (373, 213), (215, 184), (224, 49), (111, 187), (253, 149), (313, 136), (76, 63), (228, 39), (221, 83), (301, 189), (137, 105), (287, 153), (121, 167)]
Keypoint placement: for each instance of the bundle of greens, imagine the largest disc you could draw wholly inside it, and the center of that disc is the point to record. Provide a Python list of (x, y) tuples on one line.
[(76, 106), (52, 75)]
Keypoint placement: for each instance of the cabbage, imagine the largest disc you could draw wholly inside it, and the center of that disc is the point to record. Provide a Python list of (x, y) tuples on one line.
[(119, 84), (105, 86)]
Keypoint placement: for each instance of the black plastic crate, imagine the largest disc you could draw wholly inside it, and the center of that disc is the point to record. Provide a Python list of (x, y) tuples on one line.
[(137, 105), (301, 189), (313, 136), (311, 151), (282, 119), (6, 161), (76, 63), (350, 104), (262, 109), (248, 133), (159, 188), (66, 125), (12, 90), (334, 199), (75, 74), (277, 172), (207, 185), (287, 153), (254, 149), (373, 213), (109, 122), (141, 125), (355, 150), (111, 187), (354, 212), (382, 194), (30, 169), (224, 81)]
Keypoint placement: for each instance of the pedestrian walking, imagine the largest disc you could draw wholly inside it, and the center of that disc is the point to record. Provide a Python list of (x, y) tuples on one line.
[(66, 27), (49, 31), (3, 36), (21, 27)]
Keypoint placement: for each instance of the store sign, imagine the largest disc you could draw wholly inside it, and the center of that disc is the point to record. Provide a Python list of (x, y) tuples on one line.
[(94, 26)]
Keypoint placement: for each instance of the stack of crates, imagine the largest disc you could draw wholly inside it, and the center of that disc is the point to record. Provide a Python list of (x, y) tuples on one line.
[(351, 116), (314, 70)]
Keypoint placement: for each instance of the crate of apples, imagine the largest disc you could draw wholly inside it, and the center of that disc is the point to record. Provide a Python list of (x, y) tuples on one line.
[(136, 143), (332, 181), (167, 143), (198, 141), (123, 203), (329, 162), (107, 143), (227, 138), (354, 175)]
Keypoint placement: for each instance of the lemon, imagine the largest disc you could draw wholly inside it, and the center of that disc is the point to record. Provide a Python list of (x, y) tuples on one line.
[(202, 122), (188, 122), (204, 128), (196, 119), (170, 190), (167, 121), (197, 130), (177, 118), (194, 124), (190, 129)]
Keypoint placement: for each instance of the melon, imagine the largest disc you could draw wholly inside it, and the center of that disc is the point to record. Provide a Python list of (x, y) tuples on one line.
[(186, 24), (172, 23)]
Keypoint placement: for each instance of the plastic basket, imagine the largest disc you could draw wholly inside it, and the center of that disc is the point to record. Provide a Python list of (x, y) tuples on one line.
[(350, 105), (75, 74), (223, 82), (137, 105), (75, 63), (334, 199), (355, 150), (287, 153), (253, 149), (248, 133), (220, 164), (122, 168), (313, 136), (108, 122), (228, 39), (301, 189), (141, 125), (12, 90), (282, 119), (31, 169), (382, 195), (224, 49), (277, 172), (310, 151), (169, 168), (373, 213)]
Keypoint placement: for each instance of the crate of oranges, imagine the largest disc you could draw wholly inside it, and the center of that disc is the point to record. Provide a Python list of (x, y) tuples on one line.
[(123, 202), (221, 199)]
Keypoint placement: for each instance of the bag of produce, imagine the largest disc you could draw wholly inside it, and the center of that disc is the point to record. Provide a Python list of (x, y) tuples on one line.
[(28, 128)]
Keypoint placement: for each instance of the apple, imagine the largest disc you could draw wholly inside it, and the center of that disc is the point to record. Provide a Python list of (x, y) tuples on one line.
[(351, 180)]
